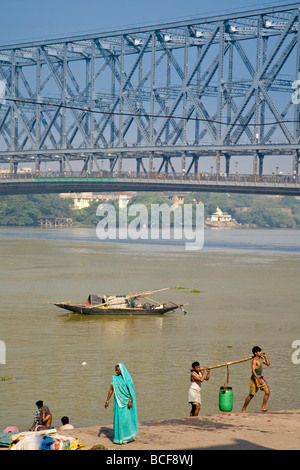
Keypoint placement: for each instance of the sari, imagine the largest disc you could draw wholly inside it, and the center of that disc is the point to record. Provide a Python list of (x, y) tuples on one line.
[(125, 419)]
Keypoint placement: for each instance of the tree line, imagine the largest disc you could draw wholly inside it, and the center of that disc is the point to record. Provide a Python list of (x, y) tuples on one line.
[(248, 210)]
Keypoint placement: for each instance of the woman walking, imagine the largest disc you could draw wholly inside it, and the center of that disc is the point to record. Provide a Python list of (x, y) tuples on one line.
[(125, 409)]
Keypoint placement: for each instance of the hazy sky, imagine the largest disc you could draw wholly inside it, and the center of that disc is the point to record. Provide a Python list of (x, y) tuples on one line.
[(39, 19)]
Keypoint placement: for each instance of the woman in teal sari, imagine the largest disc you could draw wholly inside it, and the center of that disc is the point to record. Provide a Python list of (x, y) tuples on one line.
[(125, 410)]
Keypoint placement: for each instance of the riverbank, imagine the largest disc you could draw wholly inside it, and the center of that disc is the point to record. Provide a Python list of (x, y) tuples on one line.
[(51, 210), (278, 430)]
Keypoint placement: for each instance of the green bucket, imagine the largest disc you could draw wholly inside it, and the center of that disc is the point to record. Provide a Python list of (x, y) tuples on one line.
[(225, 399)]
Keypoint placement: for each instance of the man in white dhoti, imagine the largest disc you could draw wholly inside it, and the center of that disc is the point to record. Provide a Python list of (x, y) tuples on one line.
[(194, 396)]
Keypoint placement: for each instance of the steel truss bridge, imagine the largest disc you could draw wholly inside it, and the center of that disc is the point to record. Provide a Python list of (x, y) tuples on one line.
[(166, 95)]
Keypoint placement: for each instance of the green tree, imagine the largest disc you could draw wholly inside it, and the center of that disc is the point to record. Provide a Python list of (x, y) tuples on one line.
[(23, 210)]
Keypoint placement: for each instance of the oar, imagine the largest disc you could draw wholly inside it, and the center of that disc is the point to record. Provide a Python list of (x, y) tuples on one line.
[(179, 306), (228, 363)]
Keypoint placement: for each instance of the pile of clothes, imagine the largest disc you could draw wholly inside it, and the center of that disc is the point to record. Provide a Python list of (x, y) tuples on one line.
[(48, 439), (5, 439)]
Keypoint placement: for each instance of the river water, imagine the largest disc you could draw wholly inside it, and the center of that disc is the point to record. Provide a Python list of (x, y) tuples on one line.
[(248, 283)]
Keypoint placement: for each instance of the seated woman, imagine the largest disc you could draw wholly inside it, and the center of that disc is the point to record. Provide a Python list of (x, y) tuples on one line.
[(43, 417)]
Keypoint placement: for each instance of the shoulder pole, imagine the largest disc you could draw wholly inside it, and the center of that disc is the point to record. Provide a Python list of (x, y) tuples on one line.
[(228, 363)]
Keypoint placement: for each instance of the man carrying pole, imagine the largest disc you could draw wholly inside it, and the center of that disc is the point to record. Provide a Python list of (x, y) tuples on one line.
[(257, 381)]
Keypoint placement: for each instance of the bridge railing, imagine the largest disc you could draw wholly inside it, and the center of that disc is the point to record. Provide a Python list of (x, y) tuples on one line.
[(129, 175)]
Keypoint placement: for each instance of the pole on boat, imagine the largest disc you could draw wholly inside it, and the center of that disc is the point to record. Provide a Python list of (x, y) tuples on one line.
[(133, 296)]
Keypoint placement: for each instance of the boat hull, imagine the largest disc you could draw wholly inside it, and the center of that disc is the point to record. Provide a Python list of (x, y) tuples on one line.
[(82, 309)]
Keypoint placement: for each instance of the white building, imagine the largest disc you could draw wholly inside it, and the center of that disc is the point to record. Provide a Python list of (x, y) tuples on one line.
[(219, 216)]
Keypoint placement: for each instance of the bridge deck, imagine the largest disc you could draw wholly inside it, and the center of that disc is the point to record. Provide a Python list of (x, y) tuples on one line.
[(39, 184)]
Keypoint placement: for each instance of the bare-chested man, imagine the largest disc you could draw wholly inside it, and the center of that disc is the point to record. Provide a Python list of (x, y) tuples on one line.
[(257, 380)]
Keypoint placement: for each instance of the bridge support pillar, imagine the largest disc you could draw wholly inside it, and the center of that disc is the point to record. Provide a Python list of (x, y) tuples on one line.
[(62, 165), (150, 169), (165, 163), (255, 164), (167, 166), (13, 166), (227, 163), (120, 164), (138, 166), (183, 163), (111, 164), (218, 164), (296, 163), (94, 161), (258, 163), (195, 163), (37, 164)]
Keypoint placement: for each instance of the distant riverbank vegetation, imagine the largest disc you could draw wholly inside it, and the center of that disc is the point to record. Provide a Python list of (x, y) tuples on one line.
[(248, 210)]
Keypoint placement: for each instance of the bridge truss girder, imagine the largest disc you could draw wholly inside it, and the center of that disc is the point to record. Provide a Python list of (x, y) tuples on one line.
[(218, 87)]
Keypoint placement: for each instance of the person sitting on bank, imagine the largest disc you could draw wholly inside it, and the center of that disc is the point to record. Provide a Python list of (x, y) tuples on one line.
[(43, 417), (65, 423)]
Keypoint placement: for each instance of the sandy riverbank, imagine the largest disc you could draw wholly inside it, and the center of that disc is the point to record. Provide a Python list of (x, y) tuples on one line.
[(278, 430), (253, 431)]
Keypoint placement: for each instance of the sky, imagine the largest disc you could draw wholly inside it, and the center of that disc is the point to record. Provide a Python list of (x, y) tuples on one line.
[(29, 20), (26, 20)]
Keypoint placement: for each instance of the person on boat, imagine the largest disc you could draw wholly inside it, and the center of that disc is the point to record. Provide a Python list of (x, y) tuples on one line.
[(125, 409), (43, 417), (194, 395), (257, 380)]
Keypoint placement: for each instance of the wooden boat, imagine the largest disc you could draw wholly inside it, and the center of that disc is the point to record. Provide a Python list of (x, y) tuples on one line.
[(120, 305)]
